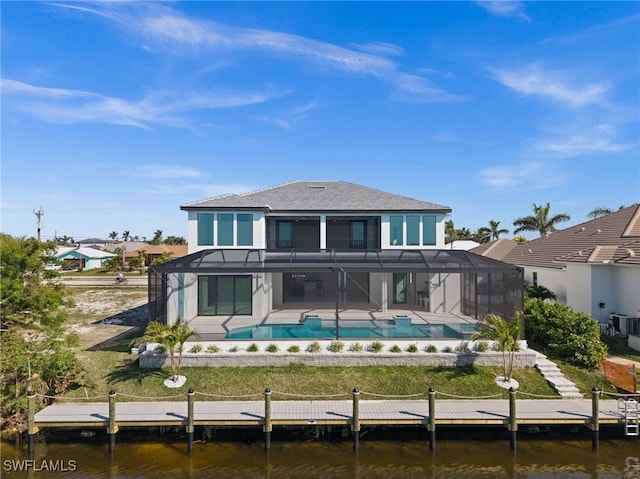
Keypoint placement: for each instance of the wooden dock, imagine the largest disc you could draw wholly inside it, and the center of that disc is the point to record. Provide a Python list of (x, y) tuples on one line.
[(354, 413), (295, 413)]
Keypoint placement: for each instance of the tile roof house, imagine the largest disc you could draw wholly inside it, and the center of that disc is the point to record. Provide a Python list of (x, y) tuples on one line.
[(593, 267), (308, 243)]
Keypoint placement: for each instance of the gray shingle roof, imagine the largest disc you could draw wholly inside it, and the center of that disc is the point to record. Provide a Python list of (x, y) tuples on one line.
[(614, 237), (334, 196)]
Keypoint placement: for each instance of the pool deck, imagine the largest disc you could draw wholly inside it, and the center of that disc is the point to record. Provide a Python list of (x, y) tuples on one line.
[(212, 328)]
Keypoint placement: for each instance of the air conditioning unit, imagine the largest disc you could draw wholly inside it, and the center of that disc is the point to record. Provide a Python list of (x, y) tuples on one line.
[(619, 322)]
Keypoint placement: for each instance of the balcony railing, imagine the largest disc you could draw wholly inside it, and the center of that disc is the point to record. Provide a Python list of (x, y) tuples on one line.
[(341, 244)]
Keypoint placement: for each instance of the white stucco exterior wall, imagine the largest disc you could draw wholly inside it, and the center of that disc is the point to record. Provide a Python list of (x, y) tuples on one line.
[(553, 279)]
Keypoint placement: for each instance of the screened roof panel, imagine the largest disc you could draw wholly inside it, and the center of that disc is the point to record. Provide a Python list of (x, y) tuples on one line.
[(254, 260)]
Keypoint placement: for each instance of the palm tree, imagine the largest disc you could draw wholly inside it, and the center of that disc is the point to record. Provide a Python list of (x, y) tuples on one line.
[(126, 235), (482, 235), (540, 220), (113, 235), (600, 211), (463, 234), (505, 335), (172, 337), (157, 237), (496, 231), (450, 231), (537, 291)]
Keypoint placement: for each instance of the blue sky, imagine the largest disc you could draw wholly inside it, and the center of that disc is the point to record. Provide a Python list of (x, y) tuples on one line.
[(116, 113)]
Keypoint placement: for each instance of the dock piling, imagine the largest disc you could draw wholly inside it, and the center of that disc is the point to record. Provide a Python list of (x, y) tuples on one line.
[(112, 429), (267, 419), (595, 418), (431, 426), (190, 428), (31, 427), (355, 424), (513, 422)]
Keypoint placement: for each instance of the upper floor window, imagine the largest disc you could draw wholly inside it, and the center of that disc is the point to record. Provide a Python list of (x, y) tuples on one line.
[(413, 230), (284, 234), (245, 229), (358, 237), (428, 230), (225, 229), (205, 229), (395, 229)]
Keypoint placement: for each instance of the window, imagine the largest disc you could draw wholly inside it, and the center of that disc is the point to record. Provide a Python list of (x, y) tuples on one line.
[(225, 229), (205, 229), (224, 295), (428, 230), (245, 229), (395, 229), (413, 230), (284, 234), (358, 238)]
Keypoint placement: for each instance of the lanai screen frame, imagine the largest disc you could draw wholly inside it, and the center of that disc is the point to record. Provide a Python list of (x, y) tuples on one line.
[(478, 273)]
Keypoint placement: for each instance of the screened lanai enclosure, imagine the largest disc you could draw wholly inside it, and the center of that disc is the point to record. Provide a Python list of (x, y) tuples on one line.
[(253, 283)]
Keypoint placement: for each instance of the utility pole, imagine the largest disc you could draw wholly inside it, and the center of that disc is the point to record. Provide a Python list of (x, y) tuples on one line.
[(39, 214)]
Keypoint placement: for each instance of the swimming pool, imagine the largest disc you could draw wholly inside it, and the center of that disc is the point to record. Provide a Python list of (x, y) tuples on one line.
[(313, 327)]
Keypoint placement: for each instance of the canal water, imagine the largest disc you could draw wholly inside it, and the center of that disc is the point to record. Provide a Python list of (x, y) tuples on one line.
[(538, 457)]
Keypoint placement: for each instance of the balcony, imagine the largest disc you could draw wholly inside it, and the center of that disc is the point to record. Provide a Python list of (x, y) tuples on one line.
[(337, 244)]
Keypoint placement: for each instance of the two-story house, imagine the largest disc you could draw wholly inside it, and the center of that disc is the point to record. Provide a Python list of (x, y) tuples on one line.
[(315, 244)]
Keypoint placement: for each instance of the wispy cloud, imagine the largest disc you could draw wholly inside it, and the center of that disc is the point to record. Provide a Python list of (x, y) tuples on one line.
[(525, 175), (505, 8), (165, 171), (163, 27), (381, 48), (59, 105), (291, 118), (557, 85), (600, 139)]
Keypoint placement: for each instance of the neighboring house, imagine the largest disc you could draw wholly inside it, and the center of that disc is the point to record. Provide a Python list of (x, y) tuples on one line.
[(95, 243), (82, 257), (311, 244), (594, 267), (153, 251)]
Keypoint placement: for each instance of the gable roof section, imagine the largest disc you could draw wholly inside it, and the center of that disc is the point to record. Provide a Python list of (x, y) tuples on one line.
[(608, 239), (497, 249), (299, 196)]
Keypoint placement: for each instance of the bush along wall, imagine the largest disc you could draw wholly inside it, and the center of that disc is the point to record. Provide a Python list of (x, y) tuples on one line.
[(561, 333)]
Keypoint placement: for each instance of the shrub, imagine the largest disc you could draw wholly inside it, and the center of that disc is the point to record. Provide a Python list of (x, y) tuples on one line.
[(395, 349), (253, 348), (447, 349), (564, 334), (413, 348), (356, 348), (463, 348), (294, 348), (233, 349), (72, 340), (272, 348), (212, 348), (314, 347), (481, 346), (431, 348), (196, 348), (336, 346), (376, 346)]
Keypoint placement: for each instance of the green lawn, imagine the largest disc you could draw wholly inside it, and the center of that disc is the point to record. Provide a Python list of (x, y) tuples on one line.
[(618, 347)]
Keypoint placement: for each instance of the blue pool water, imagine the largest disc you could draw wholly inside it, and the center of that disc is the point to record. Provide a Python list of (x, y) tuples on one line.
[(317, 328)]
